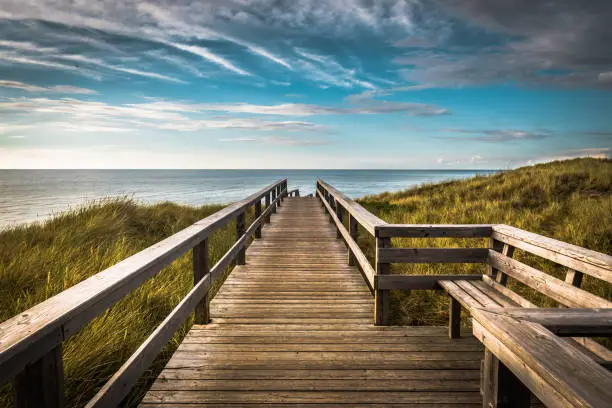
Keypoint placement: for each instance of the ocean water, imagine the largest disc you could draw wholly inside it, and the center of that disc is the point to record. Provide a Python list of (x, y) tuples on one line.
[(34, 195)]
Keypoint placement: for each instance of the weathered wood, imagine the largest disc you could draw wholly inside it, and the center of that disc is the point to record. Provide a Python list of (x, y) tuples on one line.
[(41, 384), (120, 384), (501, 277), (382, 301), (550, 286), (339, 217), (25, 337), (434, 230), (580, 259), (200, 270), (454, 315), (257, 214), (574, 278), (555, 371), (433, 255), (501, 388), (267, 204), (362, 260), (507, 292), (353, 232), (417, 282), (493, 245), (367, 220), (240, 228)]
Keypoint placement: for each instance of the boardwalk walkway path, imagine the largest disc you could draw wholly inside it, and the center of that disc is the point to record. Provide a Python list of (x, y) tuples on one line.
[(294, 326)]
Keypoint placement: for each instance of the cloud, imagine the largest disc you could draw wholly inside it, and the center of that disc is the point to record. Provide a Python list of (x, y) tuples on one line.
[(67, 89), (206, 54), (558, 43), (298, 109), (277, 140), (499, 135)]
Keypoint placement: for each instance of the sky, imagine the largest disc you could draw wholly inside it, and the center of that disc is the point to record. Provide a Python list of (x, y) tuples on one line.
[(347, 84)]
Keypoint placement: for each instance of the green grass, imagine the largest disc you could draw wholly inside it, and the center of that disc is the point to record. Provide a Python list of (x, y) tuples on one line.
[(39, 261), (570, 201)]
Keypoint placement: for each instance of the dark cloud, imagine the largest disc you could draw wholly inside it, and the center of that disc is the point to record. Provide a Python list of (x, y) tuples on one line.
[(559, 42)]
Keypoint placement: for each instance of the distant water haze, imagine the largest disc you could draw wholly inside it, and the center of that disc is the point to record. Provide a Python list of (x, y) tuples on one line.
[(35, 195)]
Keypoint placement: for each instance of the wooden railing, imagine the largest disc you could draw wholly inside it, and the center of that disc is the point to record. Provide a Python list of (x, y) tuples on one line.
[(31, 342), (524, 350)]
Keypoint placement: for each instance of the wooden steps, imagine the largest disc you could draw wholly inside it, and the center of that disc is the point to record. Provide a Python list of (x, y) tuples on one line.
[(293, 327)]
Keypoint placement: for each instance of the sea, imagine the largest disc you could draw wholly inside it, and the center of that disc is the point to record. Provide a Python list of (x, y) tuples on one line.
[(35, 195)]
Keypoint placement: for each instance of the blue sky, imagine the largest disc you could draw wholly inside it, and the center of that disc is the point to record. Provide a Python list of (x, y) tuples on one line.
[(303, 83)]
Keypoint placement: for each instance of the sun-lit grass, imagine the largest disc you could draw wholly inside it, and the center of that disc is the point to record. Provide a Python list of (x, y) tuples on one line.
[(570, 201), (39, 261)]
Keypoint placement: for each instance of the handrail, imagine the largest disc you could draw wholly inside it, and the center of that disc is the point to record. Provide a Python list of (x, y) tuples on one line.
[(32, 334), (499, 328), (367, 220)]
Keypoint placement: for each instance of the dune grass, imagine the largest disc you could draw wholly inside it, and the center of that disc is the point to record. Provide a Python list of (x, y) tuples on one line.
[(570, 201), (38, 261)]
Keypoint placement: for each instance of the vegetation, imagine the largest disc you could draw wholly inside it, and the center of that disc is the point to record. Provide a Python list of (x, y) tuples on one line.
[(570, 201), (40, 260)]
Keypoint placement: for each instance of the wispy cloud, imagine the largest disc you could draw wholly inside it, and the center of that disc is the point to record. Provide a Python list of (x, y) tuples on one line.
[(277, 140), (499, 135), (66, 89), (208, 55), (325, 69)]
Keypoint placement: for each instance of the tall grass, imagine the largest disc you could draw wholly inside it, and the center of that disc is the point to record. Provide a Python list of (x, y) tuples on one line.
[(38, 261), (570, 201)]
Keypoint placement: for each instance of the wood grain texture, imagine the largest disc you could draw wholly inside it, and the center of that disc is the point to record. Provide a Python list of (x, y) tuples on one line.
[(294, 326)]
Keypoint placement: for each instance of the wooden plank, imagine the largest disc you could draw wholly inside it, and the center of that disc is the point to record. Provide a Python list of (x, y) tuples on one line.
[(417, 282), (555, 371), (312, 397), (454, 312), (501, 388), (580, 259), (433, 255), (550, 286), (434, 230), (196, 346), (515, 297)]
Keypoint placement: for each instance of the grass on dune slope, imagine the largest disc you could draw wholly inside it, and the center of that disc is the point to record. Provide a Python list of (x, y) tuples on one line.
[(39, 261), (570, 201)]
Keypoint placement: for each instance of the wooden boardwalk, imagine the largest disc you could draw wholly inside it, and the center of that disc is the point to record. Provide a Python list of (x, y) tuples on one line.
[(294, 327)]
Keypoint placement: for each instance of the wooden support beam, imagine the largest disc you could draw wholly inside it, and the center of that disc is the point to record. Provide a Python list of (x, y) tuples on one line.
[(382, 299), (240, 228), (339, 215), (501, 388), (353, 232), (268, 205), (454, 318), (574, 277), (497, 246), (200, 270), (501, 277), (273, 201), (41, 384), (257, 214)]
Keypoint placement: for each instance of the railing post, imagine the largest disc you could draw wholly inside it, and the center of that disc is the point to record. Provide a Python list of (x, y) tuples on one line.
[(339, 215), (454, 318), (352, 260), (382, 297), (504, 249), (257, 215), (200, 270), (273, 199), (279, 194), (240, 229), (574, 278), (268, 194), (500, 387), (41, 384)]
